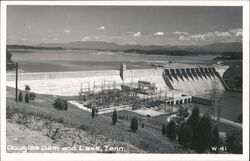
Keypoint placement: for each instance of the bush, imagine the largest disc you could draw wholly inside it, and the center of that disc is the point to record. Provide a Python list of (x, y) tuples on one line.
[(84, 127), (215, 139), (9, 112), (234, 142), (171, 130), (183, 112), (134, 124), (61, 104), (20, 97), (164, 130), (114, 117), (203, 135), (185, 136), (27, 98), (27, 87), (145, 145), (93, 112), (32, 96)]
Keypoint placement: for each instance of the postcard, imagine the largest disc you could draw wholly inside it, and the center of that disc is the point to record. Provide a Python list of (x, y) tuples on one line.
[(124, 80)]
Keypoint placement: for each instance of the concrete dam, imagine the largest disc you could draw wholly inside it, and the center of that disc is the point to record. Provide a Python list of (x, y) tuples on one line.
[(188, 81), (194, 81)]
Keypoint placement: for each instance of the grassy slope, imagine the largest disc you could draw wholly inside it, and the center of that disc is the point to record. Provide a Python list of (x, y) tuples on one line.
[(149, 139), (19, 138)]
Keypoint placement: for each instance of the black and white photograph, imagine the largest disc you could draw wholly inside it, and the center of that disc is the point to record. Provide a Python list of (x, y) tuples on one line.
[(129, 78)]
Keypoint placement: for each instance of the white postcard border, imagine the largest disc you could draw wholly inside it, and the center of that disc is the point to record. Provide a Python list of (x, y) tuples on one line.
[(145, 157)]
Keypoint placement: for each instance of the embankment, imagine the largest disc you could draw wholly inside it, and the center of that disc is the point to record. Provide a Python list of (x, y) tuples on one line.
[(50, 136)]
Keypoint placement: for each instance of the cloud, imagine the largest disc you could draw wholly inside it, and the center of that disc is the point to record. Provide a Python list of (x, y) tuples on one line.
[(101, 28), (90, 38), (182, 37), (67, 31), (180, 33), (136, 34), (236, 32), (159, 34), (86, 38), (232, 35)]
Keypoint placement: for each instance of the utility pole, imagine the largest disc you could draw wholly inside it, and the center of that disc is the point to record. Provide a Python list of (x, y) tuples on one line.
[(219, 110), (16, 81), (166, 102), (104, 85), (171, 105), (114, 84)]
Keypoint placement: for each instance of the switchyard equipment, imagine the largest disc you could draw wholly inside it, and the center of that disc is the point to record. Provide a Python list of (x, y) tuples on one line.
[(132, 94)]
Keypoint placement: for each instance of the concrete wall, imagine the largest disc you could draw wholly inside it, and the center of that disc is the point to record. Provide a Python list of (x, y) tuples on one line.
[(190, 81), (61, 75), (67, 83), (179, 100), (69, 86)]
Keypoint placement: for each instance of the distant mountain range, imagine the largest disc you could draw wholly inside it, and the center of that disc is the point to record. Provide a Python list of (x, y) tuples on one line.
[(100, 45), (219, 47)]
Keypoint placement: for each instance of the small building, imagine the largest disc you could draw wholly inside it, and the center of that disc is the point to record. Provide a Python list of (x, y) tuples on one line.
[(146, 87)]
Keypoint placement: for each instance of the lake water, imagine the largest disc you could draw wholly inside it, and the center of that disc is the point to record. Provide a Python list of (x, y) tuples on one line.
[(231, 105), (75, 60)]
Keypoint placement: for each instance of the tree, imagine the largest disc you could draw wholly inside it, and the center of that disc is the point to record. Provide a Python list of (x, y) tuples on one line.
[(93, 112), (9, 63), (234, 142), (20, 97), (8, 56), (114, 117), (134, 124), (164, 130), (185, 135), (193, 121), (27, 98), (203, 134), (61, 104), (239, 118), (215, 140), (171, 130)]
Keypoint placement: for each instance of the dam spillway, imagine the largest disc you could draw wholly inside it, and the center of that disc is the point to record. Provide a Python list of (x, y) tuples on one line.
[(189, 81), (194, 81)]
